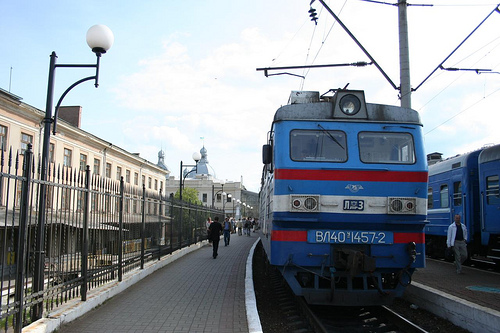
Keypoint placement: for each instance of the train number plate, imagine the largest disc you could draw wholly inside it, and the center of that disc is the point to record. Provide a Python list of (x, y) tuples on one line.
[(354, 204), (349, 237)]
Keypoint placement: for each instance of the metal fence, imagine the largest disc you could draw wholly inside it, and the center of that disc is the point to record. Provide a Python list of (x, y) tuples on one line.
[(93, 231)]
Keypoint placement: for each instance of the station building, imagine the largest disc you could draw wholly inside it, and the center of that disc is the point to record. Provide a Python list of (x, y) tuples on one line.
[(74, 148), (230, 196)]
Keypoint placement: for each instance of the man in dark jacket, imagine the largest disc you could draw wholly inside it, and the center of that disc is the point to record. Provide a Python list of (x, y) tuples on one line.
[(215, 231)]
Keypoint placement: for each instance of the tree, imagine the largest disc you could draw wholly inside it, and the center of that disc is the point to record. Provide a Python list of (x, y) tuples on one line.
[(189, 195)]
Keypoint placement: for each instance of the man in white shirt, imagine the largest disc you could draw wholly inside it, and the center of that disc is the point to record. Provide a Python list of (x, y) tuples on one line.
[(457, 241)]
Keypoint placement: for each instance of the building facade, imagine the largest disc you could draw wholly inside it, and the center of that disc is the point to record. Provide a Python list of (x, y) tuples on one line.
[(229, 196), (72, 148)]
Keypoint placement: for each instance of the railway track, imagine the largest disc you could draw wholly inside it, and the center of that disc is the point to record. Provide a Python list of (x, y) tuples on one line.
[(281, 311), (372, 319)]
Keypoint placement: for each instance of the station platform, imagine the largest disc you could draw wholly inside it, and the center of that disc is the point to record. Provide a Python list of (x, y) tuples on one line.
[(470, 300), (193, 293), (189, 291)]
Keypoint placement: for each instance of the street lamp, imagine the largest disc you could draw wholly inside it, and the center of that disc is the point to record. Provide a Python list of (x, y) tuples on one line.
[(100, 39), (182, 179), (214, 194), (238, 201), (234, 212)]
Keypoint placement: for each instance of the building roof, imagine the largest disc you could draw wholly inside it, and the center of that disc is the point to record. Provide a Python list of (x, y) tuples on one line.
[(161, 160), (202, 167)]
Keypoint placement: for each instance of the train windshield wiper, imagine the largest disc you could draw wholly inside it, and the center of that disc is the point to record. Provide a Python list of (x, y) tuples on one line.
[(330, 136)]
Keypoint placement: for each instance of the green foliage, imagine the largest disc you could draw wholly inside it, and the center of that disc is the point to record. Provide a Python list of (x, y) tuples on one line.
[(189, 195)]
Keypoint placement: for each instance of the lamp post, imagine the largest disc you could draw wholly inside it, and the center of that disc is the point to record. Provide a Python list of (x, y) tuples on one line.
[(100, 39), (234, 212), (224, 203), (214, 194), (238, 201), (182, 179)]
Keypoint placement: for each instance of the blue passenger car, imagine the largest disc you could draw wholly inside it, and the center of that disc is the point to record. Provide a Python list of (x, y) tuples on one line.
[(489, 172), (467, 185), (343, 198), (453, 189)]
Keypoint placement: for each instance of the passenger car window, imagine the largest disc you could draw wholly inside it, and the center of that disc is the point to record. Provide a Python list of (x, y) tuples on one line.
[(318, 146), (430, 202), (445, 202), (492, 190), (457, 194), (387, 148)]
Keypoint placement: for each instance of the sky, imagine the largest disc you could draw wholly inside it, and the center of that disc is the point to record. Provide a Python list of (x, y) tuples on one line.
[(182, 74)]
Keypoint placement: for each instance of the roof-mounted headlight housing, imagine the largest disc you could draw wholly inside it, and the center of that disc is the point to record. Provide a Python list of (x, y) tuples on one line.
[(349, 104)]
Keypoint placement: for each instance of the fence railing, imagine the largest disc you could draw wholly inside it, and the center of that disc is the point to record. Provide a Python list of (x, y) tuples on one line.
[(95, 230)]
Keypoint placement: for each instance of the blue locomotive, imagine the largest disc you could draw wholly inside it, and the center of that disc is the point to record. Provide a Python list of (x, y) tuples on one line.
[(467, 185), (343, 198)]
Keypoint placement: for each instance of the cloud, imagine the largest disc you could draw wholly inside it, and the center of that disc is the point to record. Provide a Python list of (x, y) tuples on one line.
[(176, 99)]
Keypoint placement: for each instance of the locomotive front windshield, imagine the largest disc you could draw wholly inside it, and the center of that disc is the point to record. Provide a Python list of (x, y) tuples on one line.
[(331, 146), (388, 148), (318, 146)]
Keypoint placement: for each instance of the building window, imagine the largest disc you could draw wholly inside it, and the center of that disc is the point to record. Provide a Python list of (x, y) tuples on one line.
[(67, 157), (136, 178), (83, 162), (205, 197), (118, 173), (97, 166), (108, 170), (52, 148), (149, 182), (143, 180), (161, 186), (3, 138), (127, 176), (66, 199), (156, 184), (25, 140)]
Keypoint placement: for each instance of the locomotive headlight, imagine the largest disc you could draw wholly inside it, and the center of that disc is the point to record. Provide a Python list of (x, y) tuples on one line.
[(296, 203), (402, 205), (350, 104), (305, 203)]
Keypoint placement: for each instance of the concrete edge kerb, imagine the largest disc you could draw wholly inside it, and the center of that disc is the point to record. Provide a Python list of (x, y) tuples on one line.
[(254, 325), (77, 308), (465, 314)]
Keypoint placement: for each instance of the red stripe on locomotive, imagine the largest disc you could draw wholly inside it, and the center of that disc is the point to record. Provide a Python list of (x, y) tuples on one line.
[(352, 175)]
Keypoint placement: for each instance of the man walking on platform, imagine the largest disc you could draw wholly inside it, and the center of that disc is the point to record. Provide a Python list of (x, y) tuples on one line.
[(215, 231), (456, 240), (228, 228)]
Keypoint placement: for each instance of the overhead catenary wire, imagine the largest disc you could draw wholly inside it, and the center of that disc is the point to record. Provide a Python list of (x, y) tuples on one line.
[(323, 40), (464, 110), (466, 38)]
